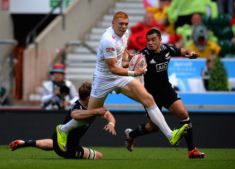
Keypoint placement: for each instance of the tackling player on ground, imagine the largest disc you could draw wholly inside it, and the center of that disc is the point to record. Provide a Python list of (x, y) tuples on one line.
[(156, 82), (84, 117)]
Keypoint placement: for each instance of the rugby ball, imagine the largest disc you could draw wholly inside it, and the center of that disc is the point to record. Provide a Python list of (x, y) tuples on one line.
[(138, 60)]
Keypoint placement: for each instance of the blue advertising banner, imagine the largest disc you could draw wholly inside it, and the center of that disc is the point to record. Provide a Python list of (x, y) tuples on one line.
[(186, 74), (230, 67), (186, 68)]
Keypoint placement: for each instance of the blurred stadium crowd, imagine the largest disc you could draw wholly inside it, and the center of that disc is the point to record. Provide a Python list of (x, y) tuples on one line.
[(208, 27)]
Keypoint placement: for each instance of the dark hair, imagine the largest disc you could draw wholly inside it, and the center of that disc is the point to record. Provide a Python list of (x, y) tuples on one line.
[(84, 90), (154, 31)]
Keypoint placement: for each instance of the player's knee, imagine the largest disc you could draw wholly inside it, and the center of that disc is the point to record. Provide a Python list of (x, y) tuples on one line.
[(148, 100), (99, 155)]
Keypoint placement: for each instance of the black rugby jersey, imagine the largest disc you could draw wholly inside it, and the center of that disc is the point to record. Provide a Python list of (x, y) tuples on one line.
[(156, 76), (76, 134)]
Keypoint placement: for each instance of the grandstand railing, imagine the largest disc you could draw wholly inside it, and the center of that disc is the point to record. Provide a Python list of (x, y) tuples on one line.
[(6, 69), (33, 33), (80, 17)]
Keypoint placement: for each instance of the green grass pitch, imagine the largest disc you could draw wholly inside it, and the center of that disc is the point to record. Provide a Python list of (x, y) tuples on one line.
[(119, 158)]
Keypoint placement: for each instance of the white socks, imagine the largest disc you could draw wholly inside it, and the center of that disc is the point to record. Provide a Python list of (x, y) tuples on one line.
[(154, 113), (69, 125), (158, 119)]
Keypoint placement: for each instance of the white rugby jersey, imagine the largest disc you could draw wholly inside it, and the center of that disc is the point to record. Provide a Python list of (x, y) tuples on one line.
[(111, 46)]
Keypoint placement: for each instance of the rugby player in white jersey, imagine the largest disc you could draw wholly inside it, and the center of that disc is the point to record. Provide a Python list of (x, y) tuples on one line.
[(111, 76)]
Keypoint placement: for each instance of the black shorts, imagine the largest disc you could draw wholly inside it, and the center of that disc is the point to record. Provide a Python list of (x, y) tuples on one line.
[(165, 97), (72, 152)]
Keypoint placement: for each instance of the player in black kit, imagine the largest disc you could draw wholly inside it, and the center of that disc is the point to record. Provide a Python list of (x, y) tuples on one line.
[(80, 113), (85, 118), (157, 83)]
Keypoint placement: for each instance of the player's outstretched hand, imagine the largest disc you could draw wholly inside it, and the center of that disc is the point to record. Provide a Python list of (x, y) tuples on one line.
[(110, 128), (192, 55)]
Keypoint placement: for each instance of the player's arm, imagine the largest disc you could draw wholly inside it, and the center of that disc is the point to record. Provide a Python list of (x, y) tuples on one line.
[(81, 114), (183, 52), (110, 126), (188, 53), (110, 55), (118, 70)]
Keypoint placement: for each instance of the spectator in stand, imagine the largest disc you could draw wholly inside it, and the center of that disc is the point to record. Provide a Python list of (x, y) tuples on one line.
[(176, 40), (184, 8), (186, 30), (202, 45), (136, 40), (158, 8), (206, 73), (58, 93)]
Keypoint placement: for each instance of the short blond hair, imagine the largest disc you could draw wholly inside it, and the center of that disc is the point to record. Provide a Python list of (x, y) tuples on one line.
[(120, 14)]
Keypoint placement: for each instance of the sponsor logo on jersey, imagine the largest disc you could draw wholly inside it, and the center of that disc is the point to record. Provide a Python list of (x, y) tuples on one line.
[(161, 67), (152, 61), (167, 56)]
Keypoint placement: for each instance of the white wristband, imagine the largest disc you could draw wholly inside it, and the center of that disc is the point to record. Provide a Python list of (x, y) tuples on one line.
[(131, 73), (111, 123)]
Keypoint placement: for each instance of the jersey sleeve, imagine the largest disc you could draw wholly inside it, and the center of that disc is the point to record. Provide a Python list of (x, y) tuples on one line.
[(108, 47), (174, 51)]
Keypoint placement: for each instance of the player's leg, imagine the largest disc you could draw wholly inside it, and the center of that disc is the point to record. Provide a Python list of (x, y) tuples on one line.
[(93, 103), (75, 151), (43, 144), (180, 111), (142, 129), (80, 152), (135, 90), (14, 145), (97, 98), (91, 154), (63, 129)]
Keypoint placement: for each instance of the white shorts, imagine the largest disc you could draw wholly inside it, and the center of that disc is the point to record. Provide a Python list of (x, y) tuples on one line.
[(102, 86)]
